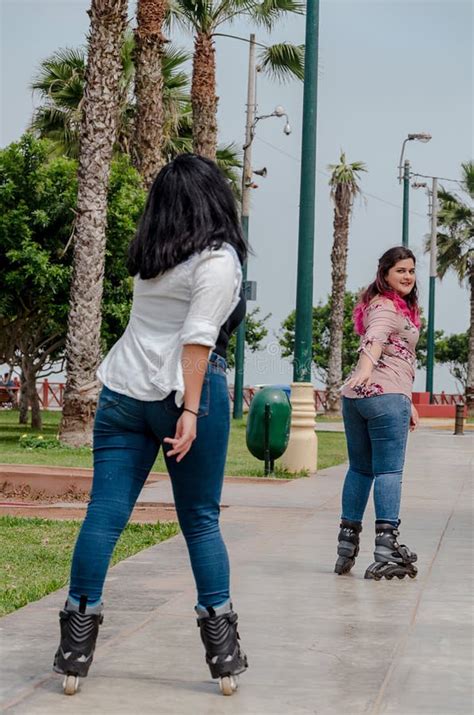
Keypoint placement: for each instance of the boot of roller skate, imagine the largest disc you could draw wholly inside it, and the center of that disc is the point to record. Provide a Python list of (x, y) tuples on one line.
[(224, 656), (79, 629), (391, 558), (348, 545)]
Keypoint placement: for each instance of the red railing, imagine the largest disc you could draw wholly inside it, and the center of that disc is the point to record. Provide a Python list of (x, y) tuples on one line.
[(444, 399), (50, 395)]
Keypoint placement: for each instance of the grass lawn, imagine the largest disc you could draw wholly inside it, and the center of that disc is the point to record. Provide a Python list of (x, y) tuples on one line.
[(331, 448), (35, 554)]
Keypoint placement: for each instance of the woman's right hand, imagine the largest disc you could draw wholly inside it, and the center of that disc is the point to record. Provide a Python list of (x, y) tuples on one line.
[(184, 436), (360, 377)]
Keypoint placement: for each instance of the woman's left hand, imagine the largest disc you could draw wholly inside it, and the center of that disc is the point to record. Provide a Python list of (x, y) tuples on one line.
[(414, 418), (184, 437)]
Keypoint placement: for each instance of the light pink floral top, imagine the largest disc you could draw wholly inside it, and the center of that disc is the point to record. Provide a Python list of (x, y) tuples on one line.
[(394, 372)]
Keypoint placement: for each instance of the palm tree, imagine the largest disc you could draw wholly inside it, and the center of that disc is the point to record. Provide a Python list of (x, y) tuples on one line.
[(98, 127), (344, 188), (203, 18), (149, 43), (455, 244), (60, 85)]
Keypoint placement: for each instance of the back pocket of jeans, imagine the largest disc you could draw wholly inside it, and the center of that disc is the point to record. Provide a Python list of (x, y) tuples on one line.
[(108, 399), (173, 409)]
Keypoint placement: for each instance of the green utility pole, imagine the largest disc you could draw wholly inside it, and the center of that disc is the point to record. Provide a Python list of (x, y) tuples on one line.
[(431, 305), (406, 199), (246, 182), (304, 290)]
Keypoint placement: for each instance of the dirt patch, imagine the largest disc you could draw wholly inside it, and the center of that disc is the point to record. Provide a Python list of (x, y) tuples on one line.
[(142, 514), (24, 492)]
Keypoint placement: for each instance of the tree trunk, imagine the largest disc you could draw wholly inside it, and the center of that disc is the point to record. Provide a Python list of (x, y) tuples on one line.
[(339, 277), (97, 137), (36, 419), (203, 97), (149, 88), (23, 400), (29, 395), (470, 357)]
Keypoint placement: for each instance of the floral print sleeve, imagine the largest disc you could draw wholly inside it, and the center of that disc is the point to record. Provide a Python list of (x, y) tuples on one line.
[(382, 321)]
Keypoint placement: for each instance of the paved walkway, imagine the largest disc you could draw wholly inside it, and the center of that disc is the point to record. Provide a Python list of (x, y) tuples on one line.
[(317, 643)]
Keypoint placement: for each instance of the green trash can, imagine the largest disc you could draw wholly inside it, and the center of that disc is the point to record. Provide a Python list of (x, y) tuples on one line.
[(268, 425)]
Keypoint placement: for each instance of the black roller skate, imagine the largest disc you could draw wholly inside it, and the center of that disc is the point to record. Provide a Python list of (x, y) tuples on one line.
[(76, 650), (391, 558), (348, 545), (225, 658)]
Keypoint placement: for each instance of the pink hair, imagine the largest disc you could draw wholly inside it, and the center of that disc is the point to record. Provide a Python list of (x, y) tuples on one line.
[(412, 313)]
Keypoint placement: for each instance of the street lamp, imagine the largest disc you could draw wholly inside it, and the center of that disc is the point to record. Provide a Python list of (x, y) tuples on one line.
[(247, 184), (433, 212), (404, 175), (301, 453)]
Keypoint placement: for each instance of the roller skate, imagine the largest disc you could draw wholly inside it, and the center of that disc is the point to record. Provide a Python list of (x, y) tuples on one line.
[(220, 637), (391, 558), (74, 656), (348, 546)]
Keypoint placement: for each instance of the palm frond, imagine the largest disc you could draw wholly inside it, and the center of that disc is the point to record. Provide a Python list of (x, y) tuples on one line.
[(283, 61), (344, 173), (229, 160), (455, 240), (61, 77), (59, 127), (190, 14), (268, 12), (228, 10), (174, 76), (468, 177), (128, 64)]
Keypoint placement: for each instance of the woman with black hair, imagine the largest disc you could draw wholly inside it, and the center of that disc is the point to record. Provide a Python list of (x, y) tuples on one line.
[(164, 384), (378, 412)]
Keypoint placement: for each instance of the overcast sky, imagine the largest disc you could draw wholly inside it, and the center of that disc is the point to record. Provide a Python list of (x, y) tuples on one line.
[(387, 67)]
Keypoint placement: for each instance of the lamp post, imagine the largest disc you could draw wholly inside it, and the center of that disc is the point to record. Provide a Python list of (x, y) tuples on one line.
[(247, 185), (431, 305), (404, 175), (301, 453), (430, 338)]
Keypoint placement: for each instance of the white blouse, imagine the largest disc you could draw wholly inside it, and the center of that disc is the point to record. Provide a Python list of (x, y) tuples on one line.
[(187, 305)]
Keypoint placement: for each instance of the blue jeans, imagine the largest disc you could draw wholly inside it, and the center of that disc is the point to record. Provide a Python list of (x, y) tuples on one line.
[(376, 433), (127, 437)]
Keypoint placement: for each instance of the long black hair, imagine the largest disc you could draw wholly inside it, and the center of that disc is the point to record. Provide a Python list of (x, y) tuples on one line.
[(190, 207)]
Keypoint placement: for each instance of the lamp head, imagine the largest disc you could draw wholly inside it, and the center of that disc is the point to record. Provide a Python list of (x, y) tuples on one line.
[(287, 129), (420, 136)]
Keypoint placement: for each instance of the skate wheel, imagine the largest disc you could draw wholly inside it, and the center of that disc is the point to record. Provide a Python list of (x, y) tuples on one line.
[(70, 684), (400, 575), (389, 576), (412, 574), (228, 684)]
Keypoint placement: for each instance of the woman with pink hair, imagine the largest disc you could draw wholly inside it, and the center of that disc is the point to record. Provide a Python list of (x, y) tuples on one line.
[(378, 412)]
